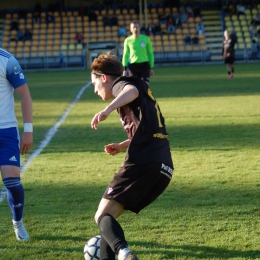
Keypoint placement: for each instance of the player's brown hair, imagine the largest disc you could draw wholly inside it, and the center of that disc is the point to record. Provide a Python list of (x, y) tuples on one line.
[(108, 64)]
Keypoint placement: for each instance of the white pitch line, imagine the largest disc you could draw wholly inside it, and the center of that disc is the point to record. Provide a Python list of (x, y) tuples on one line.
[(52, 131)]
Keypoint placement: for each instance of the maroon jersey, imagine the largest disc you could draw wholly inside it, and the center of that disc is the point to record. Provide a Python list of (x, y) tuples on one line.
[(228, 49), (144, 125)]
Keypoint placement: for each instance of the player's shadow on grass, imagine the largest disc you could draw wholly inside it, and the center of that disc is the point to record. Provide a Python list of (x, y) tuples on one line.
[(214, 137), (199, 137), (42, 249), (61, 237), (195, 252)]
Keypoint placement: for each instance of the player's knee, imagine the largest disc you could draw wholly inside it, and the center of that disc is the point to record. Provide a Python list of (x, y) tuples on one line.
[(100, 217), (96, 218)]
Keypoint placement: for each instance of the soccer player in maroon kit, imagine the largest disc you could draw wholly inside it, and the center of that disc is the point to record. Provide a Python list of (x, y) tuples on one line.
[(228, 54), (148, 167)]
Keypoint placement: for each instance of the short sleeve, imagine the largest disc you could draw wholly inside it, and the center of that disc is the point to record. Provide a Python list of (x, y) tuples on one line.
[(14, 73), (118, 87)]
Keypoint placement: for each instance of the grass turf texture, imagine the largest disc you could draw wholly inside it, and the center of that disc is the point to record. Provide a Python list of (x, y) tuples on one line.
[(209, 211)]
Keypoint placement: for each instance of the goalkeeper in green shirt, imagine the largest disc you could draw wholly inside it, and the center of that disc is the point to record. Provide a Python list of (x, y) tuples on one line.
[(138, 51)]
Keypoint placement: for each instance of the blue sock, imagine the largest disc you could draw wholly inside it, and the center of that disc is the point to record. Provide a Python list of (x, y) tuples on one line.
[(15, 196)]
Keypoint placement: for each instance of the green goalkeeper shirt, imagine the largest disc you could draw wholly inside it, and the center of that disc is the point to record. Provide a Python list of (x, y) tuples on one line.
[(138, 50)]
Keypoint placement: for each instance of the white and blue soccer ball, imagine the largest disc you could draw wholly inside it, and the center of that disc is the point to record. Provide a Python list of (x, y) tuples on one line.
[(92, 248)]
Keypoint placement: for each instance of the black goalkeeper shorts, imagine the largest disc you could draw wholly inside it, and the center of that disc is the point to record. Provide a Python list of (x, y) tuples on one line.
[(141, 70)]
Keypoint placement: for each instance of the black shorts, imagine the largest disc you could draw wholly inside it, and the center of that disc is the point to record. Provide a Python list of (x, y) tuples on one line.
[(135, 187), (229, 60), (141, 70)]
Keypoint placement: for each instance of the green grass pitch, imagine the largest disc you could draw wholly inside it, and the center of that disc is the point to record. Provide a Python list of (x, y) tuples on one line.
[(209, 211)]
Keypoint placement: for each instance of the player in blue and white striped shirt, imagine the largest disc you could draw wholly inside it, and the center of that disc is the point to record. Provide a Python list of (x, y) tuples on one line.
[(11, 146)]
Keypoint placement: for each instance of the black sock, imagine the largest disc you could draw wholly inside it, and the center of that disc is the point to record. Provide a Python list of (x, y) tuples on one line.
[(106, 252), (229, 72), (112, 232)]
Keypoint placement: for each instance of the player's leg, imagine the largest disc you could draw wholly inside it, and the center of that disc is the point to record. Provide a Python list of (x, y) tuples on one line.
[(110, 207), (228, 69), (106, 252), (10, 171), (164, 173), (232, 69), (113, 239), (154, 193), (15, 191), (15, 197)]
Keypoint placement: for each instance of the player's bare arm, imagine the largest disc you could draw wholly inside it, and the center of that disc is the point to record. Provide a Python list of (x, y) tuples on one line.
[(115, 148), (26, 107), (127, 95)]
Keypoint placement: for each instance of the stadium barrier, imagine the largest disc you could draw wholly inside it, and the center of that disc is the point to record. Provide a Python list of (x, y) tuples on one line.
[(45, 61)]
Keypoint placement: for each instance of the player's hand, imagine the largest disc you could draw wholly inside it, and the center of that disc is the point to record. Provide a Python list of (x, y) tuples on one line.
[(26, 142), (113, 149), (151, 72), (101, 116)]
